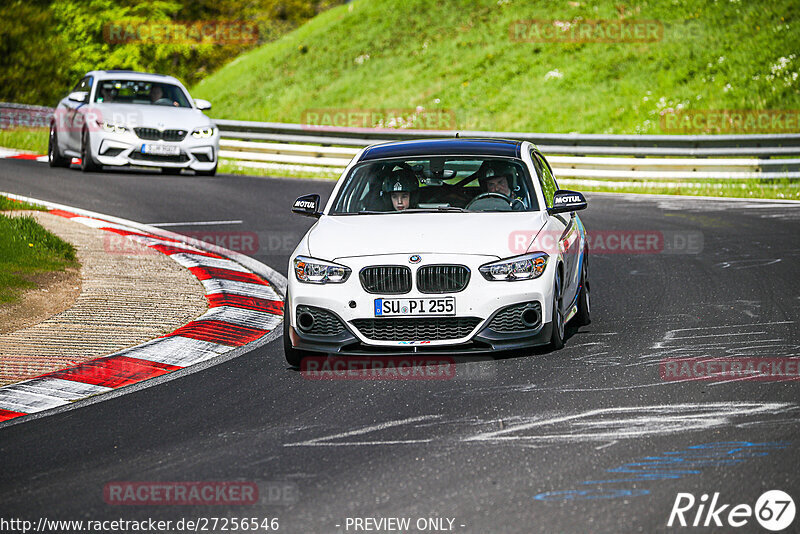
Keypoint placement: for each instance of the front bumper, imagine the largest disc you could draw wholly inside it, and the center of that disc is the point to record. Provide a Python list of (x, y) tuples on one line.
[(485, 341), (125, 149), (480, 302)]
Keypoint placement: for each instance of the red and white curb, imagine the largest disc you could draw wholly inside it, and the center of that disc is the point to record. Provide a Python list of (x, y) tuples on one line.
[(244, 308), (10, 153)]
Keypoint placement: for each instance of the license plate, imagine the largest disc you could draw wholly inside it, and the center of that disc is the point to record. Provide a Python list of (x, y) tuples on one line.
[(158, 149), (426, 306)]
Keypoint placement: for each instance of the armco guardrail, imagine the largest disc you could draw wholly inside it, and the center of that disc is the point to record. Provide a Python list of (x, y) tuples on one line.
[(327, 150)]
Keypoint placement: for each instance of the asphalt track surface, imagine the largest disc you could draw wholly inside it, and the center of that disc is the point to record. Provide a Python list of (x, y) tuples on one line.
[(590, 438)]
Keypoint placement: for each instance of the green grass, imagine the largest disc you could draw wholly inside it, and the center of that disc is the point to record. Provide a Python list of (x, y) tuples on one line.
[(226, 167), (26, 248), (30, 139), (784, 189), (7, 204), (459, 56)]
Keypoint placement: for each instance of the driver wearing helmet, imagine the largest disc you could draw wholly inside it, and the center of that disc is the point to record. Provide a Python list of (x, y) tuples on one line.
[(401, 186), (499, 178)]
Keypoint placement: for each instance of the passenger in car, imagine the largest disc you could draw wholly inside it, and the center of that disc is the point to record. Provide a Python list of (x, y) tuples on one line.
[(106, 94), (402, 187)]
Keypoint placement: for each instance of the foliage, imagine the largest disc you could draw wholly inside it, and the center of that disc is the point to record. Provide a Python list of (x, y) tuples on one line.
[(47, 46), (460, 56)]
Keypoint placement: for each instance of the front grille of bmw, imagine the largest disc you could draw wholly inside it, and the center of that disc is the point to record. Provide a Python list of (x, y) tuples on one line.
[(386, 279), (153, 134), (397, 279), (416, 329), (442, 278)]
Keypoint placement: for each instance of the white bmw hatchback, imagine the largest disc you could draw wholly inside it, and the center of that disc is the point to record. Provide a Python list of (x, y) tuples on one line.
[(449, 245), (125, 118)]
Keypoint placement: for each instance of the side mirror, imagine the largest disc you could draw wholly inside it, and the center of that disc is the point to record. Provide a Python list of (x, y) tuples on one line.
[(79, 96), (566, 201), (202, 104), (307, 205)]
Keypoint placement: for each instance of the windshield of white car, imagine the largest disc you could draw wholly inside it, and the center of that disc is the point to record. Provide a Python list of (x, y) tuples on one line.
[(436, 184), (141, 92)]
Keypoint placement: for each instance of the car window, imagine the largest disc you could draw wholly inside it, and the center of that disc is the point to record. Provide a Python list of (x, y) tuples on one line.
[(436, 183), (84, 85), (546, 178), (141, 92)]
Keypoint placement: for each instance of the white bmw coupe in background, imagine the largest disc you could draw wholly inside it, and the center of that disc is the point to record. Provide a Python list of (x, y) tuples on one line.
[(449, 245), (125, 118)]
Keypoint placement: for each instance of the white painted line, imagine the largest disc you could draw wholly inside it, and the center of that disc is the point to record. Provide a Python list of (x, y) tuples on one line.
[(176, 350), (601, 447), (324, 441), (244, 317), (195, 223), (197, 260), (96, 223), (642, 421), (723, 334), (215, 285)]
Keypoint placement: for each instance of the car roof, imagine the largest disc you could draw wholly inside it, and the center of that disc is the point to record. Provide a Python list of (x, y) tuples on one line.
[(443, 147), (132, 75)]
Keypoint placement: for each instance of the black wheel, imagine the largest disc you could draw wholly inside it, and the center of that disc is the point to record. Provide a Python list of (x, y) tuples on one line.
[(54, 157), (170, 170), (210, 172), (87, 162), (294, 357), (557, 337), (582, 318)]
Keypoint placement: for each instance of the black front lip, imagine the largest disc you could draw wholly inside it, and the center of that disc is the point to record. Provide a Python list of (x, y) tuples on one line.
[(485, 341)]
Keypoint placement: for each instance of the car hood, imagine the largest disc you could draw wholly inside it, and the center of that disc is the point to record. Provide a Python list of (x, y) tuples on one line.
[(161, 117), (490, 234)]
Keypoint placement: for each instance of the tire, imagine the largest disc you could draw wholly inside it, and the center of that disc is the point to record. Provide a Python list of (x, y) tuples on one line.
[(87, 162), (210, 172), (583, 317), (54, 157), (557, 336), (294, 357)]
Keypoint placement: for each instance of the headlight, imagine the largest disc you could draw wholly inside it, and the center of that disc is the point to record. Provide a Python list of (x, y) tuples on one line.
[(111, 127), (312, 271), (525, 267), (203, 133)]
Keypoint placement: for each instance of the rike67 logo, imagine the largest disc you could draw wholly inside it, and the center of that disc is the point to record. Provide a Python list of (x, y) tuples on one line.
[(774, 511)]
